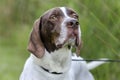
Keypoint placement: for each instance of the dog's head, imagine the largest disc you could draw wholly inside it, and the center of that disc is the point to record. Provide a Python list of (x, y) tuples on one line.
[(55, 29)]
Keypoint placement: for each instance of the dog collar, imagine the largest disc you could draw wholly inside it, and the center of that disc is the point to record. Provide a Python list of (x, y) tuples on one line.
[(50, 72)]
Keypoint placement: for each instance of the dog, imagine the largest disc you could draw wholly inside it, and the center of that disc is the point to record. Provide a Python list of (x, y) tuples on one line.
[(52, 38)]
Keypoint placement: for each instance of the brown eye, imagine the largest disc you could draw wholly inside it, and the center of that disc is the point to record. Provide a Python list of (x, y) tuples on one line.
[(53, 17), (75, 16)]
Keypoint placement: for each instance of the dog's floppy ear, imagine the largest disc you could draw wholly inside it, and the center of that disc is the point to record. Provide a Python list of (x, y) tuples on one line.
[(35, 45), (78, 47), (78, 43)]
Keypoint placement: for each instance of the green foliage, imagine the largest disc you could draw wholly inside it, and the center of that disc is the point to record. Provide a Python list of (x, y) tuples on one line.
[(100, 25)]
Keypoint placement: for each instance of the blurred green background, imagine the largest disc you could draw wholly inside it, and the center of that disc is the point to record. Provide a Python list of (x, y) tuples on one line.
[(100, 25)]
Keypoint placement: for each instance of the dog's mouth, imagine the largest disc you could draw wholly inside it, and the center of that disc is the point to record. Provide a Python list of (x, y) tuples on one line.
[(72, 39), (69, 42)]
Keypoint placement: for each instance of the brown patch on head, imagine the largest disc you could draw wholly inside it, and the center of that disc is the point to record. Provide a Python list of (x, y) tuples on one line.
[(51, 26), (44, 33), (72, 13)]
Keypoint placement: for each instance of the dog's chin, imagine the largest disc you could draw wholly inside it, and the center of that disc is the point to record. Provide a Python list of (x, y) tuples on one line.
[(67, 44)]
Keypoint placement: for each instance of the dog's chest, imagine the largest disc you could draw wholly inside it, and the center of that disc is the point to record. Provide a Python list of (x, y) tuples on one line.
[(58, 61)]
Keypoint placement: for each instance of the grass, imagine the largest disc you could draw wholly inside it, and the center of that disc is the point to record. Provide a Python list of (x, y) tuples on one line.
[(13, 53), (99, 20)]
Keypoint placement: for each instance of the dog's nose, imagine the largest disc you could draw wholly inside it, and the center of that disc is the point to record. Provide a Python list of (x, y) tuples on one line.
[(73, 23)]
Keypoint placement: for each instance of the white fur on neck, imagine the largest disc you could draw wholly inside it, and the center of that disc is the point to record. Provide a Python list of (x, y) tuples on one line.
[(57, 61)]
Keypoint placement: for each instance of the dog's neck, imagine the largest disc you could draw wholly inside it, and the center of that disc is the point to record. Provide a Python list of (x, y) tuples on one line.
[(57, 61)]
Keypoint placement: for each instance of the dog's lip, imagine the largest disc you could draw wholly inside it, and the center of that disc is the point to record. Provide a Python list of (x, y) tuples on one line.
[(69, 41), (59, 45)]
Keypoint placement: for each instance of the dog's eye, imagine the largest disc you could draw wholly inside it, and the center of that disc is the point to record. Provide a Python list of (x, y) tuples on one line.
[(53, 17), (75, 16)]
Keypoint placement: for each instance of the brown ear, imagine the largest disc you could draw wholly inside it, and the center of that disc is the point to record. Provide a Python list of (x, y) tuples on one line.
[(78, 47), (35, 45), (78, 42)]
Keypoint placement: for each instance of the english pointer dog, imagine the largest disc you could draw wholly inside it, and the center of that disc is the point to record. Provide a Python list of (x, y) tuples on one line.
[(51, 40)]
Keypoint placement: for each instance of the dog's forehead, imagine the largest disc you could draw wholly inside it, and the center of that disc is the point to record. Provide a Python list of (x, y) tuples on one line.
[(63, 11), (66, 11)]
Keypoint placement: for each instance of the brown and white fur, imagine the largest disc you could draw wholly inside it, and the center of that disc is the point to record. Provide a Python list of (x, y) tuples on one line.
[(51, 40)]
